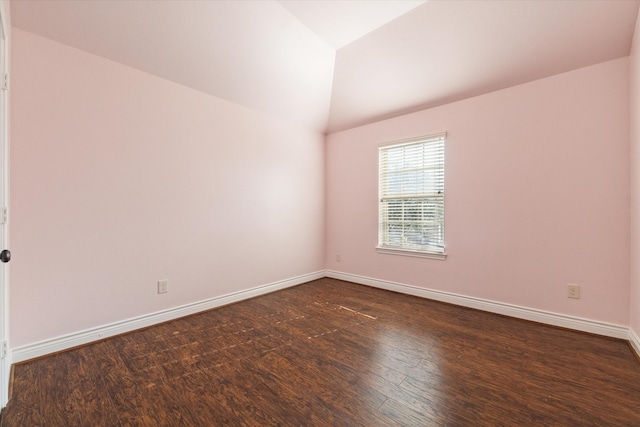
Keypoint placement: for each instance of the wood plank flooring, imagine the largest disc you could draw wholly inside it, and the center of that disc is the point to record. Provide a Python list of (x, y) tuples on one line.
[(332, 353)]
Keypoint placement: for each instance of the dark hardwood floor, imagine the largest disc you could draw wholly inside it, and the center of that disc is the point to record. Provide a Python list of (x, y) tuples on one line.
[(332, 353)]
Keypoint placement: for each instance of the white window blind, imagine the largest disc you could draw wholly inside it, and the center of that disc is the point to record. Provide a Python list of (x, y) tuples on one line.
[(411, 216)]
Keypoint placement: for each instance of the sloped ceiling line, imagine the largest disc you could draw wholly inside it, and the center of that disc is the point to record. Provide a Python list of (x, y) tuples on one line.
[(330, 66)]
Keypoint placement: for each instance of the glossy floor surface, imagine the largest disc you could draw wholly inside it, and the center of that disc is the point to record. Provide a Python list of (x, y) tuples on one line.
[(332, 353)]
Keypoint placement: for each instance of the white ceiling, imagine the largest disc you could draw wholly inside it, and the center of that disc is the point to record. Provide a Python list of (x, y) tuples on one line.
[(392, 57), (341, 22), (446, 51)]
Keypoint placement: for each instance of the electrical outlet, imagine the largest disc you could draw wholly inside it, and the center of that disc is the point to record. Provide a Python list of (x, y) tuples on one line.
[(163, 286), (573, 291), (338, 257)]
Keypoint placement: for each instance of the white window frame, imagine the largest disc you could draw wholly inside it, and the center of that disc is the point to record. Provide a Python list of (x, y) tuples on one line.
[(388, 191)]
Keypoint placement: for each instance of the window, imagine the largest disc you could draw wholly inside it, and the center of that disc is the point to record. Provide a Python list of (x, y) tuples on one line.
[(411, 216)]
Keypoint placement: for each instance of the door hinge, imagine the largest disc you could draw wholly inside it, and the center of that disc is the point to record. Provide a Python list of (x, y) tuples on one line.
[(4, 215), (3, 350), (5, 81)]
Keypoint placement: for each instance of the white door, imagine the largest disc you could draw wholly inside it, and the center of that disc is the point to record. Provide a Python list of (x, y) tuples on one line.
[(5, 255)]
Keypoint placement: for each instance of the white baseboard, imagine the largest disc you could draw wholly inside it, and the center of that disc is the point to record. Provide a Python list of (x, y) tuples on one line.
[(570, 322), (31, 351), (634, 340)]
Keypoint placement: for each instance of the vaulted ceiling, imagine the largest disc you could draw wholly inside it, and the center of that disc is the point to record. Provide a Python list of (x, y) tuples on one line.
[(333, 65)]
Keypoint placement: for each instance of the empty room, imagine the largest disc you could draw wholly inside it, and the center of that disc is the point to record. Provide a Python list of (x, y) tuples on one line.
[(320, 213)]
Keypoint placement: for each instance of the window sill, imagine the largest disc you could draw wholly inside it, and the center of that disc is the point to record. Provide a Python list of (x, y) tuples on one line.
[(406, 252)]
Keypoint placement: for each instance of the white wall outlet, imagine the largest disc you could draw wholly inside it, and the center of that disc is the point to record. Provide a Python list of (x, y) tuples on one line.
[(338, 257), (163, 286), (573, 291)]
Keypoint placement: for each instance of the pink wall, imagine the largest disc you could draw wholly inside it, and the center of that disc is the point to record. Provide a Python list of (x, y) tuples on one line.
[(120, 178), (537, 195), (635, 181)]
